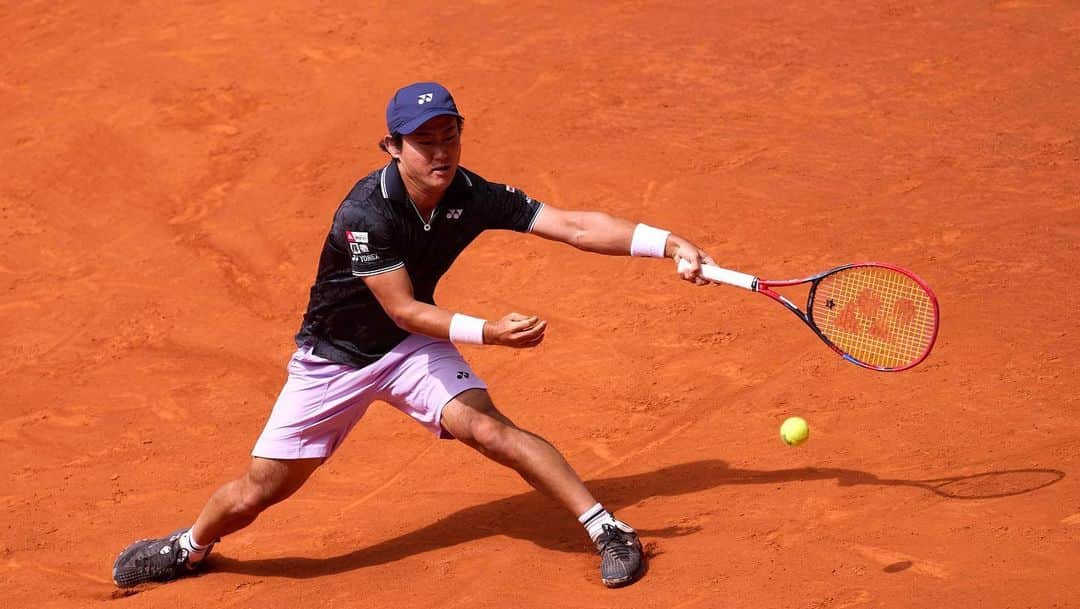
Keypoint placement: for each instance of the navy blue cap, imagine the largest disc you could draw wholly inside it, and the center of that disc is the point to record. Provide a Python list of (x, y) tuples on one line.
[(416, 104)]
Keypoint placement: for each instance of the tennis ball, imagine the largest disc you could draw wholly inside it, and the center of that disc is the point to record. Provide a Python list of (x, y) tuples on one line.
[(794, 431)]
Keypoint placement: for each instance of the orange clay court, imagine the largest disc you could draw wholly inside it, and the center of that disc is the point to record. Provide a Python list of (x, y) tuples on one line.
[(170, 171)]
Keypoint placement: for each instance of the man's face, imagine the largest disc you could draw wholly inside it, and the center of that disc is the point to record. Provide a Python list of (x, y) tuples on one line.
[(430, 155)]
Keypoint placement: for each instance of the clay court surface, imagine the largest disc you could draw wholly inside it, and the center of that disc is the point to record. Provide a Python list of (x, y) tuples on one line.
[(169, 174)]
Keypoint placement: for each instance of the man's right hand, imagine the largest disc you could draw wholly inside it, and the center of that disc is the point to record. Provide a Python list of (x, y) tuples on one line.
[(515, 330)]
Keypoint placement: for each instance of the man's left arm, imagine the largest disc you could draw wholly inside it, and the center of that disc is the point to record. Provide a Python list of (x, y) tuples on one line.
[(603, 233)]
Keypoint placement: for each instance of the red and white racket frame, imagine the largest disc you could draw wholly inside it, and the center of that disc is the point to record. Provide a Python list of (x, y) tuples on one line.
[(718, 274)]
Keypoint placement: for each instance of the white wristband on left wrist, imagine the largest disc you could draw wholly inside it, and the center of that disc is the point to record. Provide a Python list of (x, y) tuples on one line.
[(466, 330)]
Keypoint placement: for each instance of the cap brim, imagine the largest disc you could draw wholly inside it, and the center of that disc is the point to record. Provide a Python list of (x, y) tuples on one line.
[(415, 123)]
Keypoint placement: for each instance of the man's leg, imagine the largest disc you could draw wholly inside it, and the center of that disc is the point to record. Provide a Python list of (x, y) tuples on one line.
[(320, 403), (472, 418), (234, 506)]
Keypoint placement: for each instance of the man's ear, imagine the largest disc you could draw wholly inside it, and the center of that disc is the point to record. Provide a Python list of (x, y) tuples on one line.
[(392, 146)]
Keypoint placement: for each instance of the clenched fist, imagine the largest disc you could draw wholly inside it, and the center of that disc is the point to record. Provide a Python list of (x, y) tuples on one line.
[(515, 330)]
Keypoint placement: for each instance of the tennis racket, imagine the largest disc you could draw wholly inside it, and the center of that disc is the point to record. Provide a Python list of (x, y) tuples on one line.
[(875, 315)]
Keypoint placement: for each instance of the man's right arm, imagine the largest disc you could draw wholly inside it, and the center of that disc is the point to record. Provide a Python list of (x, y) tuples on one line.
[(394, 291), (605, 234)]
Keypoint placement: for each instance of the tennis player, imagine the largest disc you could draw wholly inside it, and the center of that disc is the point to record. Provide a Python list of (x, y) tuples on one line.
[(372, 331)]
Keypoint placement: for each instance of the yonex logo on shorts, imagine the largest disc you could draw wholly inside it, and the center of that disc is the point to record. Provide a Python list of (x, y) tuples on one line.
[(462, 374), (423, 99), (454, 214)]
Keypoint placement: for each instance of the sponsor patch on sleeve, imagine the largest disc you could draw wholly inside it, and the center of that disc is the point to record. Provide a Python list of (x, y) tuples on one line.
[(356, 236)]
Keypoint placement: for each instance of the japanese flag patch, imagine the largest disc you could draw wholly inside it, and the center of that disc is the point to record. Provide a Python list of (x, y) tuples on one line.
[(357, 242)]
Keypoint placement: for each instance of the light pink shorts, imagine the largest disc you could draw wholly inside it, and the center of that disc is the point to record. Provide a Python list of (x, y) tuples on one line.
[(322, 400)]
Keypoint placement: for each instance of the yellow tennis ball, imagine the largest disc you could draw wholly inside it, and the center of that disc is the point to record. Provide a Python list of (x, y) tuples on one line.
[(794, 431)]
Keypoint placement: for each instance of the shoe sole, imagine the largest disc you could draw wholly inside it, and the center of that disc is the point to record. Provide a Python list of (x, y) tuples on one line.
[(622, 581)]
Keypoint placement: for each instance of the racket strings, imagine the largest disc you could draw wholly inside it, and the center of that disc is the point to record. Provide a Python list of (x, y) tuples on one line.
[(876, 315)]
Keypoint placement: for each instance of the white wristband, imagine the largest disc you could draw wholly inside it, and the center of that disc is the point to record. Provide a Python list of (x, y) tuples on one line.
[(467, 330), (649, 241)]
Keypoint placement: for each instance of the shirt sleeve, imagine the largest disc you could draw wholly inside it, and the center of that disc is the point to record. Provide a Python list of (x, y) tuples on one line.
[(369, 237), (508, 208)]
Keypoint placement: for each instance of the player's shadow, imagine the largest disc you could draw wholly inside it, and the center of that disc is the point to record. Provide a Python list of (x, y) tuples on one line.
[(528, 516)]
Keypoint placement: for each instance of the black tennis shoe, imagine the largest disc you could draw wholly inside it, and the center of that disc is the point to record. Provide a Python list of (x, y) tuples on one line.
[(153, 560), (621, 558)]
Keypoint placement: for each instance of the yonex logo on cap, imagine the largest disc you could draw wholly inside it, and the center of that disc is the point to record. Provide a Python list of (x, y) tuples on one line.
[(404, 116)]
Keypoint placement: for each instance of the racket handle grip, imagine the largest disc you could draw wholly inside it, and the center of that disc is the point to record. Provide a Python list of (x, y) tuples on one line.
[(721, 275)]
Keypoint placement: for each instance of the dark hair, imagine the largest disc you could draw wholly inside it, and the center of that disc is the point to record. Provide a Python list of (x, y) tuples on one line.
[(397, 142), (396, 137)]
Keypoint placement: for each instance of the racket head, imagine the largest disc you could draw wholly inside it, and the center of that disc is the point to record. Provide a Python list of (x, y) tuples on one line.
[(876, 315)]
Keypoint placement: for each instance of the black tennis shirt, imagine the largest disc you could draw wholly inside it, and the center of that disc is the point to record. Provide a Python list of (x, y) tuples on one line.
[(378, 229)]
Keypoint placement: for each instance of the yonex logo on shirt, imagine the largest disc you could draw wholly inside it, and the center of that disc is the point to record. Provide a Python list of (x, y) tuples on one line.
[(454, 214), (423, 99)]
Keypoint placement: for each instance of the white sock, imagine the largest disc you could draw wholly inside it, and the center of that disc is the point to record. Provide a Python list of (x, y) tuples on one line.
[(594, 519), (196, 552)]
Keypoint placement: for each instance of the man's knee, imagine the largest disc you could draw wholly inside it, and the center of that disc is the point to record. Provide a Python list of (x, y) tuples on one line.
[(269, 482), (253, 497), (493, 437)]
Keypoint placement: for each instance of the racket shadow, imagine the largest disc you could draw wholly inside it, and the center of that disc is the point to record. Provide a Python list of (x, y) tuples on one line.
[(983, 485), (535, 518)]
